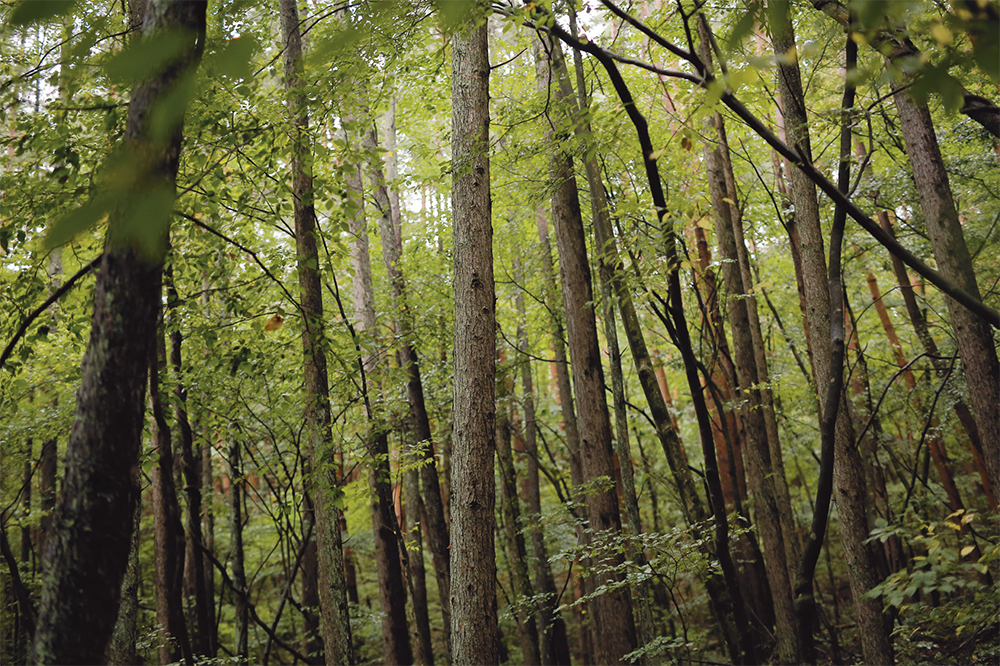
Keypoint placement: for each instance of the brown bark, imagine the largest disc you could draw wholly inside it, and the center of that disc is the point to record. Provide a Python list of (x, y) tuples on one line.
[(194, 571), (396, 647), (414, 545), (612, 614), (973, 335), (523, 593), (553, 645), (168, 534), (564, 398), (237, 482), (848, 475), (122, 649), (321, 480), (775, 533), (475, 638)]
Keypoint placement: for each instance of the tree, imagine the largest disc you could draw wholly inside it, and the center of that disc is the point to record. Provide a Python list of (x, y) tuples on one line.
[(92, 524), (474, 637)]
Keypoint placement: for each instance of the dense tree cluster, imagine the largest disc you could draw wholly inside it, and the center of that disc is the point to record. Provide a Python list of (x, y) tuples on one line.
[(447, 331)]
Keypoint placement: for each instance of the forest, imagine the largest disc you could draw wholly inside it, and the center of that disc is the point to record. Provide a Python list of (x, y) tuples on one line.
[(499, 332)]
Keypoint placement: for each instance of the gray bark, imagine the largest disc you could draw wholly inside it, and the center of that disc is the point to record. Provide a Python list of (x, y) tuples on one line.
[(474, 632)]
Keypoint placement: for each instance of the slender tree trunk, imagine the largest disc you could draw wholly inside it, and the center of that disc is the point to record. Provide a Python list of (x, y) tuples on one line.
[(726, 597), (973, 335), (758, 452), (392, 592), (237, 481), (92, 526), (432, 511), (414, 545), (523, 594), (320, 482), (208, 527), (607, 264), (613, 621), (194, 572), (168, 533), (847, 475), (553, 645)]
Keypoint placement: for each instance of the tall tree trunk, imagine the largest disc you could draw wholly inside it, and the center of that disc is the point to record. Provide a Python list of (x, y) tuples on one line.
[(847, 475), (612, 613), (391, 231), (168, 533), (92, 526), (607, 264), (392, 592), (758, 451), (726, 597), (474, 634), (413, 537), (553, 645), (208, 530), (523, 595), (973, 335), (237, 482), (432, 511), (320, 482), (194, 571)]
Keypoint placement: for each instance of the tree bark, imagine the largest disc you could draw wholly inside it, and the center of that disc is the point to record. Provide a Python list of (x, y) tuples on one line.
[(613, 621), (474, 632), (236, 483), (432, 511), (758, 451), (523, 595), (847, 474), (194, 571), (92, 525), (321, 485), (168, 534), (122, 650), (553, 644), (392, 593), (973, 335)]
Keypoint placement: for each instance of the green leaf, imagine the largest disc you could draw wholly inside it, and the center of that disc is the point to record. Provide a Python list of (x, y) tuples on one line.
[(235, 58), (149, 56), (76, 222), (33, 11), (454, 13)]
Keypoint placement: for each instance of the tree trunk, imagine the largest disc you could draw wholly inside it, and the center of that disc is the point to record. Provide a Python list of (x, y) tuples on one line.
[(125, 637), (168, 533), (973, 335), (237, 482), (432, 511), (392, 593), (92, 526), (475, 638), (553, 644), (758, 451), (523, 595), (321, 484), (848, 474), (612, 614), (414, 545), (194, 571), (726, 597)]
